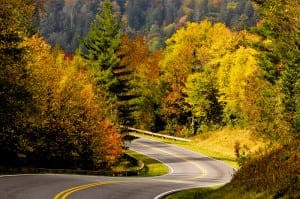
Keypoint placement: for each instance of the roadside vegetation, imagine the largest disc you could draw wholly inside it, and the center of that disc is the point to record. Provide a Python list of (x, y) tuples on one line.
[(272, 173), (151, 167), (129, 164)]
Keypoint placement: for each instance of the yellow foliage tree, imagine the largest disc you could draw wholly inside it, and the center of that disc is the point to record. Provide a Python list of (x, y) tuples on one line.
[(202, 47), (70, 115), (234, 73), (195, 48)]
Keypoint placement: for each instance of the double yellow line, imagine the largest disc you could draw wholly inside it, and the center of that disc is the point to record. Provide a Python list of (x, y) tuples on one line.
[(66, 193)]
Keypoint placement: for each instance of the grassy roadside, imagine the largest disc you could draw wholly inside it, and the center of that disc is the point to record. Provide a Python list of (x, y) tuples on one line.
[(269, 173), (133, 164), (152, 167)]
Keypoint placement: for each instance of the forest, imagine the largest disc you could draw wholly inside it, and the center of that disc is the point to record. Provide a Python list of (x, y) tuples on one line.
[(72, 74), (67, 20)]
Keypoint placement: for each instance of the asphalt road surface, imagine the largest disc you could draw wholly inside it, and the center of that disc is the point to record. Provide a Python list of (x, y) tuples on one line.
[(186, 170)]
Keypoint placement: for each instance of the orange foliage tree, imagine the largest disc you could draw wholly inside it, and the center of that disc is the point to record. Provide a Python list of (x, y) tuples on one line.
[(144, 65), (70, 126)]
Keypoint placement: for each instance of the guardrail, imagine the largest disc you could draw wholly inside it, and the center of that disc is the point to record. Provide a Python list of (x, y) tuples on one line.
[(157, 134)]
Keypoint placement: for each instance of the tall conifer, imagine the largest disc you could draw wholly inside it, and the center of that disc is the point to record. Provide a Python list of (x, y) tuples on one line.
[(101, 48)]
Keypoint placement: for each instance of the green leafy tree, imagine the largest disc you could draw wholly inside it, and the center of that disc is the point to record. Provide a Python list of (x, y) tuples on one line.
[(202, 96), (103, 40)]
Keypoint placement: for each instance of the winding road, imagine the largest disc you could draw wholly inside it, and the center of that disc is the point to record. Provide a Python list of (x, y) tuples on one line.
[(187, 169)]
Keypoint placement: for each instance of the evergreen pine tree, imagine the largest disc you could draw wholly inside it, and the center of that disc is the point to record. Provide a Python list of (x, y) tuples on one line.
[(101, 48), (280, 60)]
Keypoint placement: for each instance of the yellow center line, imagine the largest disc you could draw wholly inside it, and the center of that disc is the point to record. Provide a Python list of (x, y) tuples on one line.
[(60, 194), (63, 194), (203, 171), (67, 192)]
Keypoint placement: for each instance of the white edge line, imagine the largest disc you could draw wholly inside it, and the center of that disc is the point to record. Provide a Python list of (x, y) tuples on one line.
[(171, 170), (164, 194)]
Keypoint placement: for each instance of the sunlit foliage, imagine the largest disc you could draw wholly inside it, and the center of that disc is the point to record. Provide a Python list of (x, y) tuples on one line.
[(216, 59), (70, 128), (145, 72)]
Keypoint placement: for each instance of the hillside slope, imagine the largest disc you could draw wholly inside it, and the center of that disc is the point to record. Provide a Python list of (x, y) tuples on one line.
[(273, 174), (66, 20)]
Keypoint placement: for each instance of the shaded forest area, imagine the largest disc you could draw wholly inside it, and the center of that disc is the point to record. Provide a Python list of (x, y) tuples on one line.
[(65, 21), (50, 113)]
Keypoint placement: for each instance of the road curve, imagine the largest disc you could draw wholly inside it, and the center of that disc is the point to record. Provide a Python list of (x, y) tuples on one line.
[(187, 169)]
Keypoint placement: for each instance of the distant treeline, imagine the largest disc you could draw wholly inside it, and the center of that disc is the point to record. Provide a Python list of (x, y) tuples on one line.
[(65, 21)]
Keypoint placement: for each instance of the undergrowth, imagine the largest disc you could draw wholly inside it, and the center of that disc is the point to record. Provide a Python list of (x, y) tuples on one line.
[(270, 174), (275, 172)]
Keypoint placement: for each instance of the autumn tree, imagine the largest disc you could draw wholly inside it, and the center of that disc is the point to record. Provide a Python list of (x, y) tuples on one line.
[(207, 69), (234, 73), (202, 95), (70, 128), (50, 114), (15, 99), (178, 62), (144, 81), (193, 49)]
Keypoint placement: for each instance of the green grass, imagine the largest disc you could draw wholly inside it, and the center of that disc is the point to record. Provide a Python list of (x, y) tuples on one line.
[(135, 165), (126, 164), (152, 167)]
